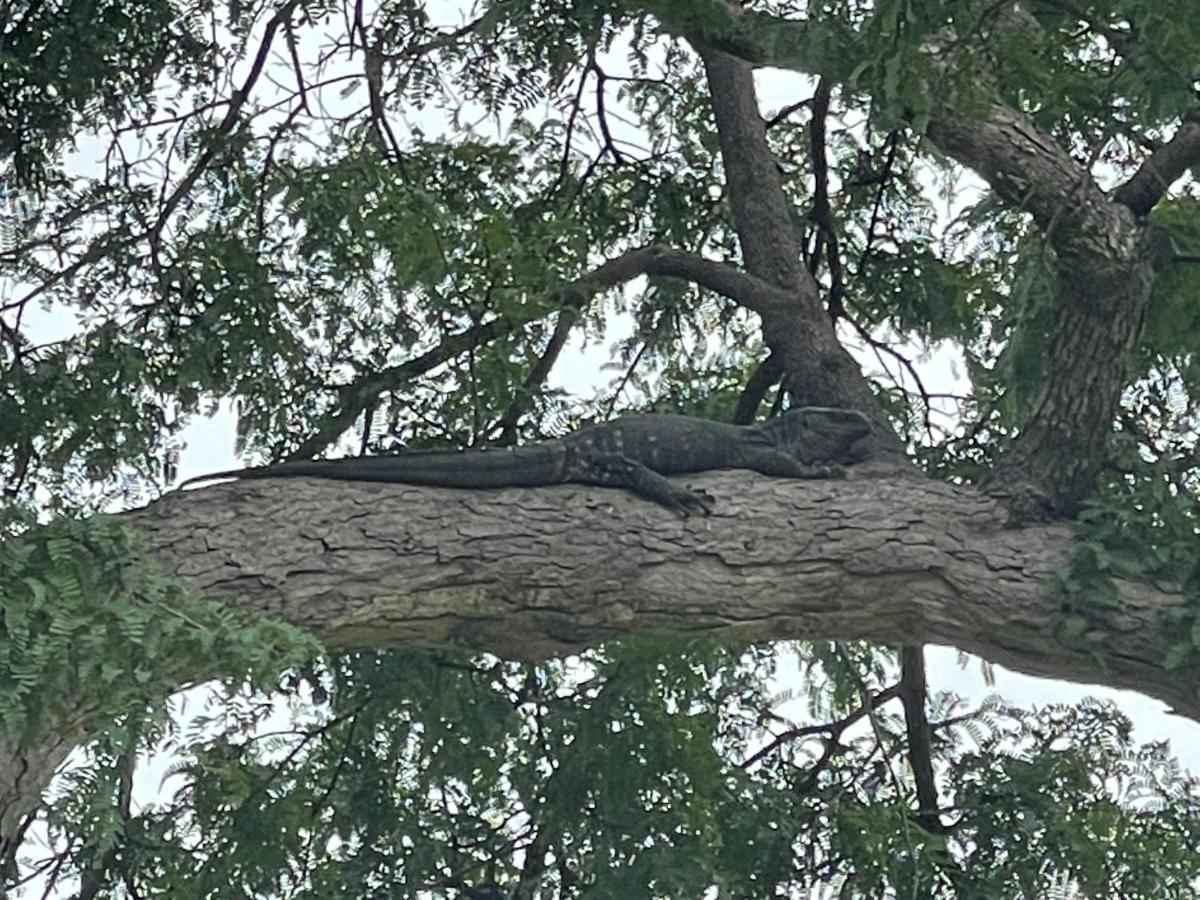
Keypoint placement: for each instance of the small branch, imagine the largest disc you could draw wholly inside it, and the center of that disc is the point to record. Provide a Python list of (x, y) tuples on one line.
[(368, 423), (290, 36), (833, 730), (373, 61), (881, 347), (822, 213), (92, 879), (766, 376), (564, 161), (788, 111), (537, 377), (920, 748), (609, 144), (629, 370), (1121, 41), (893, 145), (260, 207), (227, 124), (442, 40), (361, 392)]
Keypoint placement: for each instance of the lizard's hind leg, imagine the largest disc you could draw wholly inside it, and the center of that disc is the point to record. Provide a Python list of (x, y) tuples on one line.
[(614, 470)]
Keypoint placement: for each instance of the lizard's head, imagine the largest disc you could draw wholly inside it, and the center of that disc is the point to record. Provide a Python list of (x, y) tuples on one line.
[(815, 434)]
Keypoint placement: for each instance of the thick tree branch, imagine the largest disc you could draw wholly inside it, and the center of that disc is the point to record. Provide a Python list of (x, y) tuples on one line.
[(535, 572), (26, 767), (1163, 168), (761, 38), (1104, 271), (818, 370), (1030, 171), (764, 218)]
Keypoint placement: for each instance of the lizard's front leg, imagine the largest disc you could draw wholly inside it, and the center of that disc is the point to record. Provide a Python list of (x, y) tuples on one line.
[(782, 465), (614, 470)]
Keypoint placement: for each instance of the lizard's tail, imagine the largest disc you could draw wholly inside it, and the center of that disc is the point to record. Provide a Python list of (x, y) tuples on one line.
[(509, 467)]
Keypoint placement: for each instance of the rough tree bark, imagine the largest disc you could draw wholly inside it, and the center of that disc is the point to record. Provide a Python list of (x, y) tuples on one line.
[(26, 766), (544, 571), (818, 370)]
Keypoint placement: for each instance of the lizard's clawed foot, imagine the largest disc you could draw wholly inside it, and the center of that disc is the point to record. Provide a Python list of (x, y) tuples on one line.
[(688, 503)]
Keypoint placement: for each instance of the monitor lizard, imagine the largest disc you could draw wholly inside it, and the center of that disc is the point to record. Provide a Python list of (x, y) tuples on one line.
[(633, 452)]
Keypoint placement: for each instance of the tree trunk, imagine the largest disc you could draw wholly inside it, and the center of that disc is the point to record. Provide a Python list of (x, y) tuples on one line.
[(26, 767)]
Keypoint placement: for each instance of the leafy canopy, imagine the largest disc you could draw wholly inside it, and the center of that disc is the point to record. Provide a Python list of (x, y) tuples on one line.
[(370, 222)]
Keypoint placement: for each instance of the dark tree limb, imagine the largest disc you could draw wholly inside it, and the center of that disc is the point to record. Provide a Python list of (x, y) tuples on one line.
[(94, 879), (537, 377), (761, 380), (818, 369), (821, 212), (1162, 168), (920, 748), (833, 730), (373, 64), (609, 146)]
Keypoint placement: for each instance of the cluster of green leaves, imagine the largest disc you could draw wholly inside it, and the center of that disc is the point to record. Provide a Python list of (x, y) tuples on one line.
[(1067, 787), (1075, 81), (89, 622), (1141, 525), (624, 773), (439, 773), (1125, 66), (1172, 331), (94, 634), (69, 66)]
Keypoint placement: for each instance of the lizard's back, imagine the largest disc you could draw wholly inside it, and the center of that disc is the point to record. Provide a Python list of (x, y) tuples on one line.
[(664, 442)]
